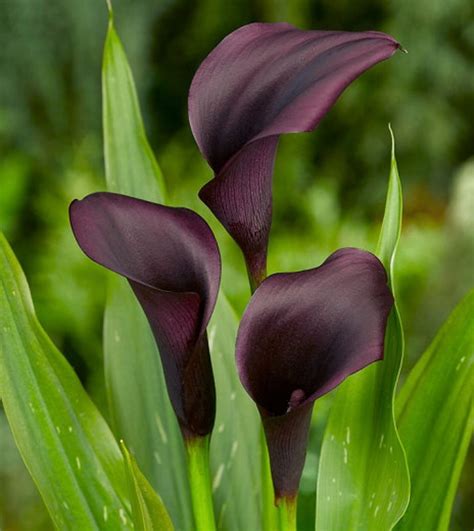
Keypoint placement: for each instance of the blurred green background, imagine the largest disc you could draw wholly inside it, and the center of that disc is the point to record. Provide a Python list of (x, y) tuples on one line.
[(329, 186)]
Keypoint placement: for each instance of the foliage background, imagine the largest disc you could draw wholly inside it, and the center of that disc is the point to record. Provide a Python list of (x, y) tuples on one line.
[(329, 186)]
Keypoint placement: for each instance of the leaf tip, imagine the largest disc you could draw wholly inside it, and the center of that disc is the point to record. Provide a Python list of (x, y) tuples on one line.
[(392, 136), (109, 9)]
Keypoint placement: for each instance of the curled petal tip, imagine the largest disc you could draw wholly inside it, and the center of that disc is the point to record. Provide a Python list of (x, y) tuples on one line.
[(171, 260)]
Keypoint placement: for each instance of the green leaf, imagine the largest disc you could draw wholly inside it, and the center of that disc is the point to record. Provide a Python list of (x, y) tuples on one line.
[(130, 165), (140, 406), (149, 513), (234, 442), (435, 411), (363, 480), (133, 368), (65, 443)]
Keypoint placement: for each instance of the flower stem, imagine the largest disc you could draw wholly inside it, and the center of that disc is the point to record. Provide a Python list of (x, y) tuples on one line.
[(256, 276), (197, 450), (287, 513), (269, 513)]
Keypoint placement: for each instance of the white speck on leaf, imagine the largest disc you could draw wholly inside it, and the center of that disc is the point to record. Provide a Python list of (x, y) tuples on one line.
[(377, 509), (78, 463), (348, 435), (105, 513), (218, 477), (461, 361), (161, 429), (220, 429), (233, 450), (122, 516), (345, 456)]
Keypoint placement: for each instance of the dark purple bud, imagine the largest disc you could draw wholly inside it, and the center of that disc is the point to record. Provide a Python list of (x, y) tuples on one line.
[(301, 335), (171, 260), (261, 81)]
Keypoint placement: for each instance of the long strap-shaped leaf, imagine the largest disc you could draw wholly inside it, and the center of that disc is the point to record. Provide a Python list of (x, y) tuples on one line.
[(149, 513), (234, 443), (435, 411), (65, 443), (142, 412), (140, 406), (363, 480)]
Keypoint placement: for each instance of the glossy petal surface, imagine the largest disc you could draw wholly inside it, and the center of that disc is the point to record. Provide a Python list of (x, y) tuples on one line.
[(301, 335), (170, 257), (261, 81)]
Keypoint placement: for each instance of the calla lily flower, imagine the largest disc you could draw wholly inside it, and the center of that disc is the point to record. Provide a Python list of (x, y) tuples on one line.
[(171, 260), (261, 81), (301, 335)]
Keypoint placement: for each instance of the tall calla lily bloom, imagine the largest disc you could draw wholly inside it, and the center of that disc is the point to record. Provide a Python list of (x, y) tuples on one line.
[(301, 335), (171, 260), (261, 81)]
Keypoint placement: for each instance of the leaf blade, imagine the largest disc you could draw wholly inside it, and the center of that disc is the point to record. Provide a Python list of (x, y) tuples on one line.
[(234, 442), (369, 492), (435, 411), (77, 467), (149, 513), (234, 507), (140, 406), (130, 165)]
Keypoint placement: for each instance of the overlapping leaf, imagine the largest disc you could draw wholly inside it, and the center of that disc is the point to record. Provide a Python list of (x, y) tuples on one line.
[(149, 513), (141, 409), (138, 393), (234, 443), (65, 443), (435, 411), (363, 479)]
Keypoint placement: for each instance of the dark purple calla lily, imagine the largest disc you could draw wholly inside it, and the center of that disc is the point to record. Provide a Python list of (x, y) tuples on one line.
[(171, 260), (261, 81), (301, 335)]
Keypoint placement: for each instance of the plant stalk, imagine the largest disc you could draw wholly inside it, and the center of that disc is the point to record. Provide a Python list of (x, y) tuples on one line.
[(197, 451), (287, 513), (269, 512), (256, 277)]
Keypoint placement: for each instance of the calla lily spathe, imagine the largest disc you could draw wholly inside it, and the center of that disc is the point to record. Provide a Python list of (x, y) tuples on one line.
[(171, 260), (261, 81), (301, 335)]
